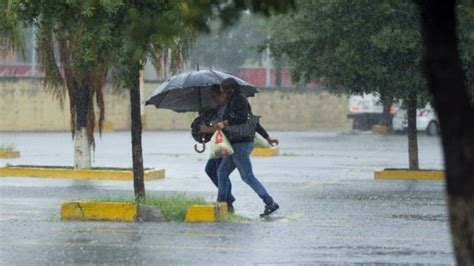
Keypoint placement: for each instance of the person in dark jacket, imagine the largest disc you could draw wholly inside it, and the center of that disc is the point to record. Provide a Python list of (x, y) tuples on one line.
[(212, 165), (237, 111)]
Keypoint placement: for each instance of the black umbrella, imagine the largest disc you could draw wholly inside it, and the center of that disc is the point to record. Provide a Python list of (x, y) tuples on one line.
[(191, 91)]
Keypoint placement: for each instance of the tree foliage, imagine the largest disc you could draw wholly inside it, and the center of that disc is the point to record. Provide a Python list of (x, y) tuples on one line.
[(10, 31), (76, 41), (356, 46), (465, 16), (155, 27)]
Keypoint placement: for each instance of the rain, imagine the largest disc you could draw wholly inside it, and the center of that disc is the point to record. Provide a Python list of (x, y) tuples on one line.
[(355, 146)]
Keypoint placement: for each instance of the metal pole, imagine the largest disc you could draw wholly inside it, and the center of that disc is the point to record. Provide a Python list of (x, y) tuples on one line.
[(268, 64), (141, 88), (33, 52)]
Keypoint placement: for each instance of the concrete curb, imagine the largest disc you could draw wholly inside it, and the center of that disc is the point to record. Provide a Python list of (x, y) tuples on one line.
[(109, 211), (99, 211), (265, 152), (81, 174), (9, 154), (405, 174), (206, 213)]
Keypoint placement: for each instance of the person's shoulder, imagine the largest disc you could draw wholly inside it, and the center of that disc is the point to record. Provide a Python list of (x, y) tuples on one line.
[(240, 97)]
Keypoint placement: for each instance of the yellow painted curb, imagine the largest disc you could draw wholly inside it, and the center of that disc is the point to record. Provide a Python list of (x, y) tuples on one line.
[(153, 174), (394, 174), (264, 152), (206, 213), (99, 211), (9, 154), (201, 213), (380, 130), (82, 174)]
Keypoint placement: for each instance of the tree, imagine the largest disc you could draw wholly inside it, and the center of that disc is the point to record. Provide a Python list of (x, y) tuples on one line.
[(75, 44), (146, 28), (448, 84), (357, 47)]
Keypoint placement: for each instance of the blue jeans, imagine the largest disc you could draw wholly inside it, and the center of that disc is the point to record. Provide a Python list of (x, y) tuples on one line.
[(211, 171), (240, 160)]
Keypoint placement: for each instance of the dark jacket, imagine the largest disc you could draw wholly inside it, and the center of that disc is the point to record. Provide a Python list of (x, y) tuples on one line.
[(237, 109), (237, 112)]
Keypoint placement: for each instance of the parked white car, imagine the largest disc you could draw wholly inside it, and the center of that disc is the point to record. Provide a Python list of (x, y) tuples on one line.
[(366, 111), (426, 120)]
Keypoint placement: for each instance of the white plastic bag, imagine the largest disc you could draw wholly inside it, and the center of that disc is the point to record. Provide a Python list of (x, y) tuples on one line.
[(220, 145)]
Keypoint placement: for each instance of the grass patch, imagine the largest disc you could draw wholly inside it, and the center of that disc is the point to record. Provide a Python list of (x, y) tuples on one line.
[(173, 208), (235, 218), (7, 147), (115, 199)]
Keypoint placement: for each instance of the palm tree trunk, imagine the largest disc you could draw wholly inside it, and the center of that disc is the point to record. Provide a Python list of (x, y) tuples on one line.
[(412, 133), (82, 147), (136, 131), (447, 83)]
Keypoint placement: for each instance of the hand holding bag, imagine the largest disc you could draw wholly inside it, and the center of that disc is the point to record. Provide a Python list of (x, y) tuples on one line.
[(220, 145), (244, 130)]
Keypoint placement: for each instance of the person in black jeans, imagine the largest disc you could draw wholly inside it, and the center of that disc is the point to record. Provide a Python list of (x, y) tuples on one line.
[(237, 113)]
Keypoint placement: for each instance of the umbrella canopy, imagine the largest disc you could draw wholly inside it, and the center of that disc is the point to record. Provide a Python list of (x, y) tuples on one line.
[(192, 91)]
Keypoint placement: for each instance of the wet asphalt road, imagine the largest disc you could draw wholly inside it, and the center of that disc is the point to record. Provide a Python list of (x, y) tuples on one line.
[(332, 211)]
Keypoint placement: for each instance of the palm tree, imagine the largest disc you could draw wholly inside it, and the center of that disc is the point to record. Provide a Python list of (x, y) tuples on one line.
[(74, 58), (81, 87)]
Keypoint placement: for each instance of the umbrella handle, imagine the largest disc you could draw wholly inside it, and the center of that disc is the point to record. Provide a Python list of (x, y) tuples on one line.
[(200, 151)]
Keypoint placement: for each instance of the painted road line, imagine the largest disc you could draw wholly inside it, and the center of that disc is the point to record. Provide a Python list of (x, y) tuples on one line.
[(81, 174), (402, 174)]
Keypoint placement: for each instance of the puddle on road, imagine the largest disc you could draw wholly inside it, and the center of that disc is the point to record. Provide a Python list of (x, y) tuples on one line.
[(421, 217), (284, 219)]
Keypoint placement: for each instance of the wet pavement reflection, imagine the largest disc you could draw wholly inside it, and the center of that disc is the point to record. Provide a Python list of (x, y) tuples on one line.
[(332, 210)]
